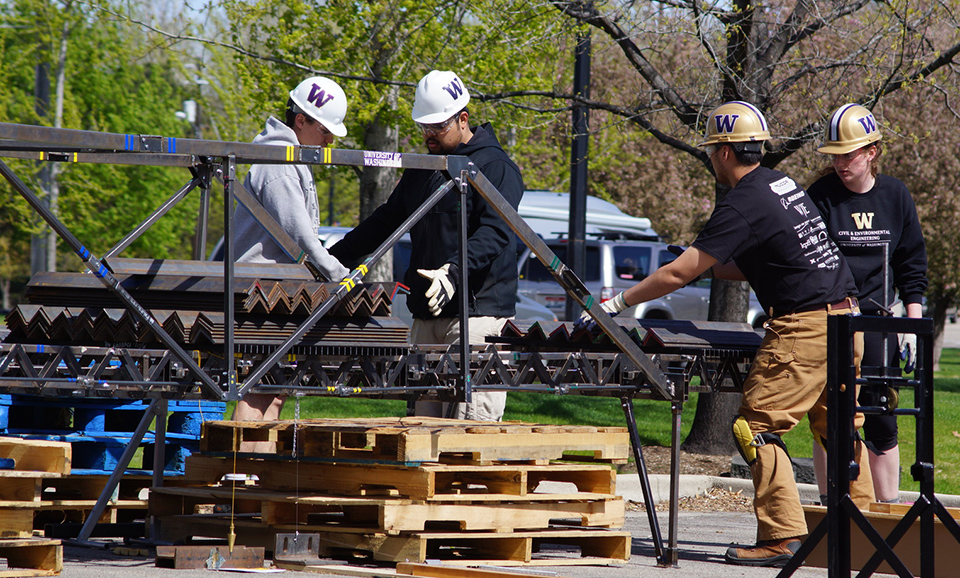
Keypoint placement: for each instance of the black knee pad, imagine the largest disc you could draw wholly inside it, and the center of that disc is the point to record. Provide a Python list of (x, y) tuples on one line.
[(880, 432)]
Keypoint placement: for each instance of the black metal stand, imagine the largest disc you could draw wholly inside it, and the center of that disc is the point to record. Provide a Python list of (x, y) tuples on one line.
[(841, 467), (156, 410), (627, 404)]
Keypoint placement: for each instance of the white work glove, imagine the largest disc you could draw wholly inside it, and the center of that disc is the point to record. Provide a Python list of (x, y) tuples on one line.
[(442, 287), (908, 351), (612, 306)]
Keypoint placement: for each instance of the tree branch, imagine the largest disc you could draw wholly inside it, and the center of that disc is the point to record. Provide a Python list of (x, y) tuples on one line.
[(946, 57), (245, 52), (586, 13)]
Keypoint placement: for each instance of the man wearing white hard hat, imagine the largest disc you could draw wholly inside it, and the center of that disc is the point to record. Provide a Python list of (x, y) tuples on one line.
[(440, 110), (314, 115)]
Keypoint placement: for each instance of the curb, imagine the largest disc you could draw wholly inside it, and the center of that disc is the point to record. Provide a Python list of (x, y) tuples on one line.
[(628, 486)]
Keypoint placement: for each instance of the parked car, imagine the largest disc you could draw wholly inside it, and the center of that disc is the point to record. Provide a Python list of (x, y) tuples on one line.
[(614, 265)]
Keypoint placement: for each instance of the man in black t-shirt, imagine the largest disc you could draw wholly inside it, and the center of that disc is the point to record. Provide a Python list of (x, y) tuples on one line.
[(766, 231)]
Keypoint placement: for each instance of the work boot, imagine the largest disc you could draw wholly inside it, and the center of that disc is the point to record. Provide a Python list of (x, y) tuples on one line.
[(765, 553)]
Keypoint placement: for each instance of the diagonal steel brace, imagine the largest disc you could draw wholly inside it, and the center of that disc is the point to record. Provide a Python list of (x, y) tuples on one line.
[(101, 271)]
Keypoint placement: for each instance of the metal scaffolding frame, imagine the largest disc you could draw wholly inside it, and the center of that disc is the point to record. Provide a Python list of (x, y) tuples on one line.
[(842, 403), (450, 372)]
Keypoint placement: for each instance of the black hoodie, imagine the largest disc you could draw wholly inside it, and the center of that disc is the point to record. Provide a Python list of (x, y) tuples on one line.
[(491, 245)]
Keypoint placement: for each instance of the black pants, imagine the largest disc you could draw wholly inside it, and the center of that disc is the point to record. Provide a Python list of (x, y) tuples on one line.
[(879, 431)]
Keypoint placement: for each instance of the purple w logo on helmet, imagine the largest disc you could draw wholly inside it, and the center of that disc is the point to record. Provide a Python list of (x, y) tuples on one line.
[(318, 96), (726, 122), (454, 89), (868, 123)]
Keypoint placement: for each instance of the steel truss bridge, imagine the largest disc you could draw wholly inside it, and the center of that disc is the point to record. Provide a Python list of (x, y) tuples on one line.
[(658, 360)]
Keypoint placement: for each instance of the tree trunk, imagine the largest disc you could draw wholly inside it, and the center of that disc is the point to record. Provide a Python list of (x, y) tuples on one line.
[(376, 184), (710, 432), (5, 290)]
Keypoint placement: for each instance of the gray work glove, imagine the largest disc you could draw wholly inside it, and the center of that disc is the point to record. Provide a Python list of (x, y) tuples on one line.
[(443, 284), (908, 351), (612, 306)]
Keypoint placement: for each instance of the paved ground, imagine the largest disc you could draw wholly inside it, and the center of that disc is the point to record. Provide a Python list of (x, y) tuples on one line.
[(703, 539), (951, 335)]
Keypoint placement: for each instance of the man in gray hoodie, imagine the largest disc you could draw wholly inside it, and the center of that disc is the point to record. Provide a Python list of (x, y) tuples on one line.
[(314, 115)]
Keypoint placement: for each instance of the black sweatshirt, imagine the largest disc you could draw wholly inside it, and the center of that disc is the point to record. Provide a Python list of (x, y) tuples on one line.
[(863, 225), (491, 244)]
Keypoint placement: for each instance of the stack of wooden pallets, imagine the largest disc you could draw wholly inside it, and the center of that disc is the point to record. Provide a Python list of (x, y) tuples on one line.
[(24, 468), (409, 489), (39, 488)]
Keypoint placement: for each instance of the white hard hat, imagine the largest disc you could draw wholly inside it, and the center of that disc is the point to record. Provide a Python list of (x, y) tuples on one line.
[(322, 100), (735, 121), (440, 95), (850, 127)]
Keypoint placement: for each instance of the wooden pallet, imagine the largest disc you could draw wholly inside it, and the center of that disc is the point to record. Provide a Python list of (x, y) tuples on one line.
[(22, 486), (36, 455), (411, 440), (391, 515), (30, 500), (39, 486), (31, 557), (884, 518), (422, 482), (554, 547), (19, 519)]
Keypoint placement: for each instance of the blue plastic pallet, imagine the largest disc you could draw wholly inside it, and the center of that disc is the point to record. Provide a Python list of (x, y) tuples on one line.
[(100, 429), (98, 415)]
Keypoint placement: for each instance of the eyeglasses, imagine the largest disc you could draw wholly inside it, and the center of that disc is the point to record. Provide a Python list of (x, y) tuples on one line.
[(847, 157), (323, 130), (437, 129)]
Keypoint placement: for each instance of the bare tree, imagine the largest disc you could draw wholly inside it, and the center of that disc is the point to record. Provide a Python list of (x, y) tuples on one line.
[(663, 65), (795, 60)]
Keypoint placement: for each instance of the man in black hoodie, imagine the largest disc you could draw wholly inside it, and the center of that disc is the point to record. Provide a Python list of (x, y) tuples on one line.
[(440, 110)]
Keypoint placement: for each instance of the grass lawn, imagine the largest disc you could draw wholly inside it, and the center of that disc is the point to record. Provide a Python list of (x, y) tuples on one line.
[(653, 419)]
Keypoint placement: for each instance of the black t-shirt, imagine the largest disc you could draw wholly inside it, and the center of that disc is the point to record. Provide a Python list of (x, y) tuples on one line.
[(771, 229), (865, 224)]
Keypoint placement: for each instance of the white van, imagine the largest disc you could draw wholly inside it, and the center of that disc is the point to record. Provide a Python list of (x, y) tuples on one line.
[(547, 213)]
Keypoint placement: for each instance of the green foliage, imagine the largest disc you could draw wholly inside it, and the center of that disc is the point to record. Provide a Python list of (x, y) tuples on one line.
[(136, 93), (653, 417), (378, 50)]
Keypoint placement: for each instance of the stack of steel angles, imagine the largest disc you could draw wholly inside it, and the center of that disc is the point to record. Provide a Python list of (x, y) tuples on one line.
[(262, 296), (652, 335), (90, 325), (187, 300)]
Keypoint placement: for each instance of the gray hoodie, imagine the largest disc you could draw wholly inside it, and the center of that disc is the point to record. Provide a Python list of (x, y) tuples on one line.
[(288, 193)]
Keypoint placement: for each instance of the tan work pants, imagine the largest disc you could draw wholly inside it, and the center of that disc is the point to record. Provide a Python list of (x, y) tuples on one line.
[(484, 406), (787, 381)]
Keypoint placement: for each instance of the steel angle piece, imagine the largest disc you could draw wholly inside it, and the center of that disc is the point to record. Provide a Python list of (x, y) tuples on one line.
[(297, 549)]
